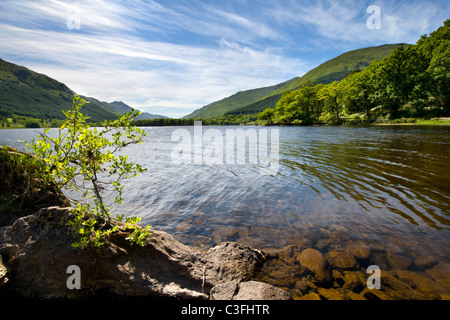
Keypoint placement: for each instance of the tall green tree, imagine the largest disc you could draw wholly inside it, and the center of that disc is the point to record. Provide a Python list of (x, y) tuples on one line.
[(330, 95), (439, 76), (267, 116), (364, 92), (412, 81), (298, 107)]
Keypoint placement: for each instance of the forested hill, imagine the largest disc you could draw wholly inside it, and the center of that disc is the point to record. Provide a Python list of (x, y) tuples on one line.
[(24, 92), (256, 100), (411, 82), (28, 94)]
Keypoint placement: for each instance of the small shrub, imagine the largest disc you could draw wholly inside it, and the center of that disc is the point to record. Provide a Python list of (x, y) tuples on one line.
[(85, 159)]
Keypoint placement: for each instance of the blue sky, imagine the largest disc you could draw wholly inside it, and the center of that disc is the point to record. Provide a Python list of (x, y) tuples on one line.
[(171, 57)]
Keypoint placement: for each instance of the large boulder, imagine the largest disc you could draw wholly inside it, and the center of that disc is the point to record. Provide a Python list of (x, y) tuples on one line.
[(250, 290), (38, 250)]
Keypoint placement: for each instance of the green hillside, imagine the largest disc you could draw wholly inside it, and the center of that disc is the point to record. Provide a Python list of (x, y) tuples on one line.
[(411, 83), (119, 107), (257, 100), (338, 68), (24, 92), (235, 101)]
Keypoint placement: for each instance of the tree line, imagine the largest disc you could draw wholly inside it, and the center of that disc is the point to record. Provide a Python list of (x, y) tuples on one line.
[(412, 82), (223, 120)]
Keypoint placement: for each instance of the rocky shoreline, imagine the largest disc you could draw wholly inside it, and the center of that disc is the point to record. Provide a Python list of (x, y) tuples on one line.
[(36, 254), (37, 258)]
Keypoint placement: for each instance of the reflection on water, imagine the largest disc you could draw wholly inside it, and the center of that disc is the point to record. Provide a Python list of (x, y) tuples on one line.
[(387, 188), (402, 171)]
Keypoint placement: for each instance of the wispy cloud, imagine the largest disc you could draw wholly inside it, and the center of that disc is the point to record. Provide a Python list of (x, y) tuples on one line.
[(176, 56), (344, 22), (147, 73)]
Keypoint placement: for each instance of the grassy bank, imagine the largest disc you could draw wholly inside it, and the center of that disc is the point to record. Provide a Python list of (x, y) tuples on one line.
[(418, 122), (24, 186)]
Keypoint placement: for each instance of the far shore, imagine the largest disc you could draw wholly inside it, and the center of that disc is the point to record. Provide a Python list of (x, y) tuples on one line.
[(417, 122), (443, 121)]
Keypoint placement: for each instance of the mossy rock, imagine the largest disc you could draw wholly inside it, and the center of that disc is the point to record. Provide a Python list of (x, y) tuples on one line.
[(24, 188)]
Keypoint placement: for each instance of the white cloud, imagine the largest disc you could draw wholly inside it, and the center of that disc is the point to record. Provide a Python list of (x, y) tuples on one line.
[(181, 58), (147, 74), (342, 24)]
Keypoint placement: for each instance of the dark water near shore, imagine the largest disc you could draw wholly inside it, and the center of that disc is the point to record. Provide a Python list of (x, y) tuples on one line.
[(387, 188)]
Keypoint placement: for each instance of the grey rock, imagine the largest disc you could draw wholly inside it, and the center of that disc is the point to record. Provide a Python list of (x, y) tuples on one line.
[(250, 290), (40, 251), (224, 291)]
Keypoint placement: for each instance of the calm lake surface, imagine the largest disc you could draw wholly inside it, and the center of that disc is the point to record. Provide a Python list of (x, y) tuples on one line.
[(383, 187)]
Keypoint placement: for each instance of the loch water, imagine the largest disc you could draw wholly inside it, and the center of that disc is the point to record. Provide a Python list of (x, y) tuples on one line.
[(385, 188)]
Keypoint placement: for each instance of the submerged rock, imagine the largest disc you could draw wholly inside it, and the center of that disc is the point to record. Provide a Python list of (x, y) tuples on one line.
[(360, 252), (397, 289), (422, 282), (424, 261), (440, 273), (39, 249), (351, 280), (331, 294), (341, 260), (313, 261), (310, 296)]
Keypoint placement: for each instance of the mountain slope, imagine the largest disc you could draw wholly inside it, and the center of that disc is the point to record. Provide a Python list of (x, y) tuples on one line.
[(333, 70), (27, 93), (237, 100), (119, 107), (338, 68), (24, 92)]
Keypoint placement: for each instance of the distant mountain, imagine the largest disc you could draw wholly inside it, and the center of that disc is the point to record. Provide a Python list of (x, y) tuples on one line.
[(233, 102), (257, 100), (27, 93), (119, 107)]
